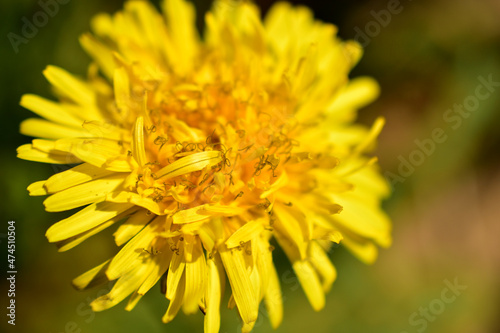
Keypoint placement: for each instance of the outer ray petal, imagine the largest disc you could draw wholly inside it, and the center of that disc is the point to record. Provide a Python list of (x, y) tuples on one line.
[(248, 231), (132, 226), (214, 292), (71, 87), (48, 130), (243, 292), (162, 261), (50, 110), (93, 277), (70, 243), (99, 152), (125, 285), (175, 301), (180, 17), (273, 297), (80, 195), (84, 220), (38, 188), (130, 255), (101, 53), (176, 272), (322, 265), (28, 152), (77, 175), (196, 276)]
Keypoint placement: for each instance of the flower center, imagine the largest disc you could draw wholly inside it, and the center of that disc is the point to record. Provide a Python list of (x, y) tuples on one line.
[(213, 143)]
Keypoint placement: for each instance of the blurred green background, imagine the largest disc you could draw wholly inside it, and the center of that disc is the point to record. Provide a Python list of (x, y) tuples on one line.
[(427, 56)]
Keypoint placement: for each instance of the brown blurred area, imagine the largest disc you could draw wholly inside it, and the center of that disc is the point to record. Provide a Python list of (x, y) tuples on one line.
[(428, 57)]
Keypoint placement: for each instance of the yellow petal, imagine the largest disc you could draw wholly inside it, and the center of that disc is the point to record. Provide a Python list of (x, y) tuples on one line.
[(223, 210), (247, 328), (158, 208), (75, 176), (371, 183), (183, 132), (192, 228), (279, 183), (27, 152), (70, 86), (149, 22), (121, 87), (47, 146), (38, 188), (358, 93), (70, 243), (100, 52), (93, 277), (243, 292), (133, 300), (84, 194), (273, 297), (190, 215), (196, 278), (370, 139), (180, 17), (191, 163), (246, 232), (41, 128), (132, 253), (322, 265), (323, 231), (335, 237), (175, 300), (125, 286), (214, 292), (287, 224), (354, 51), (162, 262), (305, 72), (262, 257), (50, 110), (102, 25), (363, 220), (138, 149), (175, 272), (364, 250), (104, 130), (306, 274), (107, 154), (207, 237), (255, 279), (86, 219), (132, 226), (204, 213), (310, 283)]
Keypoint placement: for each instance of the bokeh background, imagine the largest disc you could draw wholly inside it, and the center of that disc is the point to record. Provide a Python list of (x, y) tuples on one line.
[(446, 210)]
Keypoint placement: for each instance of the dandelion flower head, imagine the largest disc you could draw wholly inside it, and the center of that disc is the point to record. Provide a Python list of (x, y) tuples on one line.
[(202, 152)]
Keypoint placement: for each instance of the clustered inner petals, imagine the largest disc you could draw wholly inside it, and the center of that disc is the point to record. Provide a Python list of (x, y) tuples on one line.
[(204, 152)]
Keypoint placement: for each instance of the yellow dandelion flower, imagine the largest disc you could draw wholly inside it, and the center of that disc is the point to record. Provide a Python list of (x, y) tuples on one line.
[(204, 150)]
